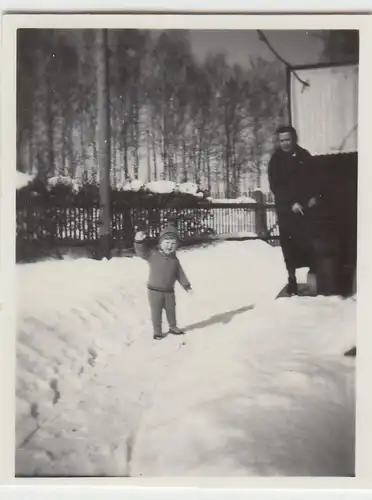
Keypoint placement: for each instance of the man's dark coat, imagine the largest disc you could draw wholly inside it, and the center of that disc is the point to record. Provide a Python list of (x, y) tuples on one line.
[(293, 179)]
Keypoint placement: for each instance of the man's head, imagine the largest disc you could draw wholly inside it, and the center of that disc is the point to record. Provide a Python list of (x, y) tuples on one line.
[(169, 240), (287, 137)]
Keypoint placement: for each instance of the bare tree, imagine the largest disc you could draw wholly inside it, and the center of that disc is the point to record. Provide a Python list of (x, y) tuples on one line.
[(207, 122)]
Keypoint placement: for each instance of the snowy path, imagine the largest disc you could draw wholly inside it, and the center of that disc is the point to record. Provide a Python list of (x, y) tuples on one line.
[(248, 391)]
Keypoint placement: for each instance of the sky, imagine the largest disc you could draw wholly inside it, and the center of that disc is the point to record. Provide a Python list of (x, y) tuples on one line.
[(295, 46)]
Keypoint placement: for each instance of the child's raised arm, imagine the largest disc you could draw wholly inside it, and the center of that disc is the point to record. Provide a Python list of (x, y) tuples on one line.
[(140, 245)]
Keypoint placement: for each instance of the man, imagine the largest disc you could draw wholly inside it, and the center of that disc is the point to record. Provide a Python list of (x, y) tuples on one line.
[(293, 183)]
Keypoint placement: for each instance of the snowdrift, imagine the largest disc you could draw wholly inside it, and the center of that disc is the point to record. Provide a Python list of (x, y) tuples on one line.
[(256, 387)]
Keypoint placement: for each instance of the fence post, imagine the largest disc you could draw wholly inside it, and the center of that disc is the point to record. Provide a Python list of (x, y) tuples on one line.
[(128, 227), (260, 213)]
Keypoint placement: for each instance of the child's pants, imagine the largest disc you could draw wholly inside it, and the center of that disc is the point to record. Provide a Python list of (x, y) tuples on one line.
[(158, 302)]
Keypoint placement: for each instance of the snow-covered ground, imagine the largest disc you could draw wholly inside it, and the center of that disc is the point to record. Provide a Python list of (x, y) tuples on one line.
[(257, 386)]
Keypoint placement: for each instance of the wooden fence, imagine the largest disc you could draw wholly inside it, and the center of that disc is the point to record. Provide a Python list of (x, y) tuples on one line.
[(44, 226)]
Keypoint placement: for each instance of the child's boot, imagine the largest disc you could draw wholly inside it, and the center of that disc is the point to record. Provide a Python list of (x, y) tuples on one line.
[(159, 335), (174, 330)]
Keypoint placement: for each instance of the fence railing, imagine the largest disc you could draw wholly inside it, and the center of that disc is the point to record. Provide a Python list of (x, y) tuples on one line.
[(58, 226)]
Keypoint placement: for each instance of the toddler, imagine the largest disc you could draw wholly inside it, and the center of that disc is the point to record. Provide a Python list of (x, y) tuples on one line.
[(165, 270)]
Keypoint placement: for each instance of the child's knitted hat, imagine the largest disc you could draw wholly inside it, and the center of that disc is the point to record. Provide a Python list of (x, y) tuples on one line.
[(170, 231)]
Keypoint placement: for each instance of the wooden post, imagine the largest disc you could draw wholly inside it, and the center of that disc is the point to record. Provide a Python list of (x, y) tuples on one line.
[(103, 142), (261, 223)]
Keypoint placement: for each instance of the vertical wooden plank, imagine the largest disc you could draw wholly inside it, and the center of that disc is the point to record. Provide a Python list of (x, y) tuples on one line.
[(104, 141)]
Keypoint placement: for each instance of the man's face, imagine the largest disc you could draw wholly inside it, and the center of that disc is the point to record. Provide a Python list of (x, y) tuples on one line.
[(286, 142)]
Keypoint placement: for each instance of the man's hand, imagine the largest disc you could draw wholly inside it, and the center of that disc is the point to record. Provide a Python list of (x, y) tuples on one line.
[(312, 202), (297, 209), (140, 236)]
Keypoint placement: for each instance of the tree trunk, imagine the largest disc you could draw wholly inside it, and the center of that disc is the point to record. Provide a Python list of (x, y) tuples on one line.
[(234, 167), (170, 156), (123, 139), (258, 180), (63, 151), (184, 161), (81, 95), (50, 131), (82, 139), (227, 155), (40, 125), (95, 156), (125, 152), (72, 166), (136, 139), (148, 156), (208, 161), (199, 159), (196, 165), (103, 126), (165, 159), (114, 154), (256, 152), (154, 155), (30, 168), (227, 169)]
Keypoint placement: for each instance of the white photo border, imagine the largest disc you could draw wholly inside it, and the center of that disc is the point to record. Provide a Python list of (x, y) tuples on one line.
[(11, 23)]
